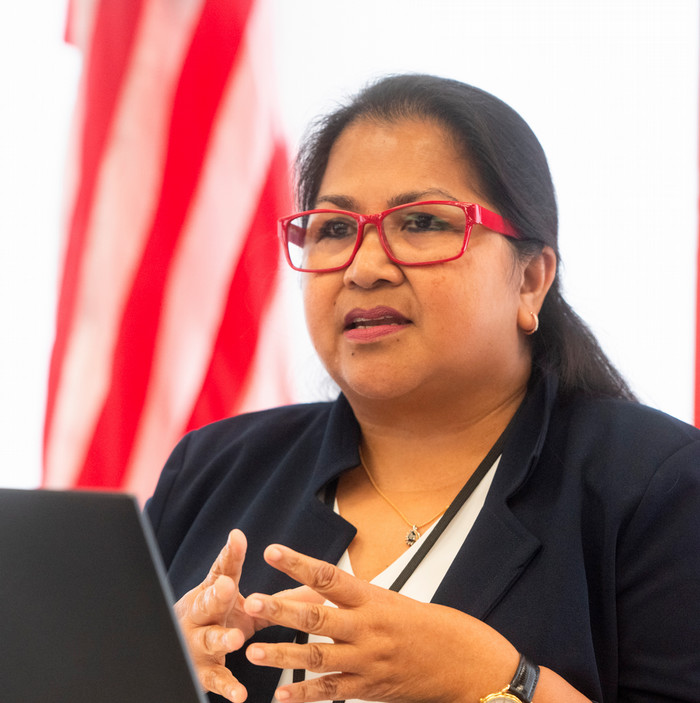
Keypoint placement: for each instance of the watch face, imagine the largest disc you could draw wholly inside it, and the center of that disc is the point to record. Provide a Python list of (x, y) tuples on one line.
[(501, 697)]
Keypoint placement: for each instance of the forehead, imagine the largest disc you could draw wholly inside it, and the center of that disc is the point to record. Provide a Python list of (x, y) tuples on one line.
[(374, 160)]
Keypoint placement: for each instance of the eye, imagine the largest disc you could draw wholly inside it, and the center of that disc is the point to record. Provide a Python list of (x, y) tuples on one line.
[(424, 222), (336, 228), (333, 228)]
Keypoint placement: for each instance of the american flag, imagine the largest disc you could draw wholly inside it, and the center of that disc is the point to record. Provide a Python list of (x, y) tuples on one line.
[(169, 311)]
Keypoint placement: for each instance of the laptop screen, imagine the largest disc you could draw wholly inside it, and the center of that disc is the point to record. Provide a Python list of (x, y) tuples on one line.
[(85, 610)]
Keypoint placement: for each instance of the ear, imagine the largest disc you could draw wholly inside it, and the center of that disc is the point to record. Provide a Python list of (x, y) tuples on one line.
[(538, 275)]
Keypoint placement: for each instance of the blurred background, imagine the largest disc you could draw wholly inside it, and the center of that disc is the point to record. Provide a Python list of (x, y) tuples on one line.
[(609, 86)]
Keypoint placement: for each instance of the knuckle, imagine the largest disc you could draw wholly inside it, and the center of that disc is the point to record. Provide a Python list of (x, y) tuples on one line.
[(272, 606), (198, 641), (312, 618), (211, 640), (208, 679), (316, 658), (328, 687), (326, 575)]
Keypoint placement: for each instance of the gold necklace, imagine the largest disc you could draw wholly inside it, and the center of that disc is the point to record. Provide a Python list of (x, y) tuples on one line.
[(413, 535)]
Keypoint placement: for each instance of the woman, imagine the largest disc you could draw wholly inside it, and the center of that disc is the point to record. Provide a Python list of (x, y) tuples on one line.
[(483, 458)]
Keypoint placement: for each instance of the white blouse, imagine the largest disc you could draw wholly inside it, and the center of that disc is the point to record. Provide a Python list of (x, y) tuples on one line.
[(424, 581)]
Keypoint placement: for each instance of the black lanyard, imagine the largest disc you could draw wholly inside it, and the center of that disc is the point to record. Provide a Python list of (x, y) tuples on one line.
[(424, 545)]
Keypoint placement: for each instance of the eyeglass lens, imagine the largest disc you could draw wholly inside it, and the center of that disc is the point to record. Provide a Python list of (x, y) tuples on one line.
[(416, 233)]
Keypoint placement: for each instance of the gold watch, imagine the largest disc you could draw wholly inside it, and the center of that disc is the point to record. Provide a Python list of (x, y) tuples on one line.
[(522, 688), (503, 695)]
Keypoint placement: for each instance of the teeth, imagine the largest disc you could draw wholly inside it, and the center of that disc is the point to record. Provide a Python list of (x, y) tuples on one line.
[(373, 322)]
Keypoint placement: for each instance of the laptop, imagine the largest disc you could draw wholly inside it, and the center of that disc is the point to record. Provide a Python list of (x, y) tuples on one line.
[(85, 610)]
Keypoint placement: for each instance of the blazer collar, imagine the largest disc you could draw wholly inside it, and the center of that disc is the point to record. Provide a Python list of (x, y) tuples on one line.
[(339, 448)]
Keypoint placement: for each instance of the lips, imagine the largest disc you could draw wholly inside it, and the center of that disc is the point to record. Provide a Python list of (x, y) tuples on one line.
[(364, 326)]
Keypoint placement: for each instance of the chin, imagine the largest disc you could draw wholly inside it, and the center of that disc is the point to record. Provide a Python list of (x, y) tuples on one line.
[(378, 387)]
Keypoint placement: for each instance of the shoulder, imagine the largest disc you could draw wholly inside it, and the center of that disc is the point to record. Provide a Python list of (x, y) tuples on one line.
[(285, 424), (622, 451), (603, 454), (629, 413), (240, 454), (621, 428)]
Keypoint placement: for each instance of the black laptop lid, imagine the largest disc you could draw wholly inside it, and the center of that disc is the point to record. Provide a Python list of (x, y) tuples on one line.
[(85, 612)]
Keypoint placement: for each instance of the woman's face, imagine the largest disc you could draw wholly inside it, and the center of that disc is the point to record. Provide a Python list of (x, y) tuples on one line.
[(445, 328)]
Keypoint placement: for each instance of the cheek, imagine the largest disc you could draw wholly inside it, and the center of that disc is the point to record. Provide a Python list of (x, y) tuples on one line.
[(319, 303), (308, 296), (474, 302), (451, 298)]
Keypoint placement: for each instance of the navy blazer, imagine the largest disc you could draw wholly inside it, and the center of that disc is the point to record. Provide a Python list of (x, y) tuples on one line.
[(585, 555)]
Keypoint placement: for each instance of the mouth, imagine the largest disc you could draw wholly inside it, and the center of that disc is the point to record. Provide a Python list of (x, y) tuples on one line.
[(381, 316)]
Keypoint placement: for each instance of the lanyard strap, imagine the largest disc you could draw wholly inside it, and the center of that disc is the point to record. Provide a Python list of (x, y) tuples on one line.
[(426, 544), (460, 499)]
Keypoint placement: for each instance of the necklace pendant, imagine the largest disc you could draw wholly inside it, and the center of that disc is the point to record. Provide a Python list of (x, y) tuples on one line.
[(412, 536)]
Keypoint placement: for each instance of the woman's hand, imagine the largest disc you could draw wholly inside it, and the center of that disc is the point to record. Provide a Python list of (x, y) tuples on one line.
[(214, 623), (387, 647)]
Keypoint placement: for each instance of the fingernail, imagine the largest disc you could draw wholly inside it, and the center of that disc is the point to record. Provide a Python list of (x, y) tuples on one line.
[(234, 639), (254, 605), (274, 554), (282, 694), (257, 653)]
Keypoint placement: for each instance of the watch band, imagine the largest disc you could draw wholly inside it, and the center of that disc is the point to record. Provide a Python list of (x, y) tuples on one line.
[(525, 680), (521, 688)]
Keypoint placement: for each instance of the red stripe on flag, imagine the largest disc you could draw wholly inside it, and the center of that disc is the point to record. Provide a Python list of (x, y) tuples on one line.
[(249, 295), (204, 76), (164, 247), (69, 33), (114, 31)]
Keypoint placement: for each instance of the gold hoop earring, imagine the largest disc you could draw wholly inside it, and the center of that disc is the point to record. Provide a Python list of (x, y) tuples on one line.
[(535, 326)]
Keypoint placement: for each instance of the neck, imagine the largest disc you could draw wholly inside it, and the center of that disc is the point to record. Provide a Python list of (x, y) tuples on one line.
[(406, 438)]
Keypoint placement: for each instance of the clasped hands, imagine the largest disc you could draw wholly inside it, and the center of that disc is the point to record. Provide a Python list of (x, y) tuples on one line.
[(386, 647)]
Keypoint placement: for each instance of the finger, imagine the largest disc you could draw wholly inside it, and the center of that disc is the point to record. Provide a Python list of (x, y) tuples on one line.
[(212, 604), (332, 687), (303, 594), (215, 641), (331, 582), (230, 560), (308, 617), (218, 679), (316, 656)]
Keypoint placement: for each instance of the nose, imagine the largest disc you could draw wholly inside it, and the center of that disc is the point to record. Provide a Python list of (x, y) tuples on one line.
[(371, 264)]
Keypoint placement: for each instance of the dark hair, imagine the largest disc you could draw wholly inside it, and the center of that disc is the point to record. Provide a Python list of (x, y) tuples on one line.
[(513, 175)]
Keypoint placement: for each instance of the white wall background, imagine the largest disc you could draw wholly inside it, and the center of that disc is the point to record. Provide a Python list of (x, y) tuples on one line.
[(609, 86)]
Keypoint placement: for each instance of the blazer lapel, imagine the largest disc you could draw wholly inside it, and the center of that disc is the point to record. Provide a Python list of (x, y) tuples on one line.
[(494, 555)]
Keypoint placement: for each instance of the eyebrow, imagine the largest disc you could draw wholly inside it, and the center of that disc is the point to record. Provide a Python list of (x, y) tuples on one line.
[(344, 202)]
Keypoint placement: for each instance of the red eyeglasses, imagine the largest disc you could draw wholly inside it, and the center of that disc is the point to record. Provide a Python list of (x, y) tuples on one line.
[(416, 234)]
